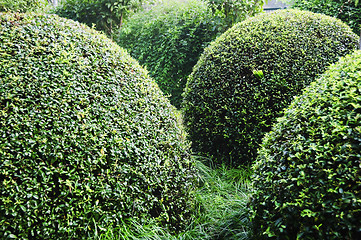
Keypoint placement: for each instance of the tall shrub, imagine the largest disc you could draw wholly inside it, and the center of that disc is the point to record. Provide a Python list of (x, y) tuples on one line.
[(169, 38)]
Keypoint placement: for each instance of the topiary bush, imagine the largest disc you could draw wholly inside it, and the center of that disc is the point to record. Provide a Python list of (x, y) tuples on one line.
[(307, 177), (168, 39), (249, 74), (348, 11), (87, 138)]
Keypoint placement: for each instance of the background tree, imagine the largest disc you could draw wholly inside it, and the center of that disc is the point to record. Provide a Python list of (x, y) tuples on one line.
[(348, 11), (22, 5), (230, 12), (169, 37), (106, 15)]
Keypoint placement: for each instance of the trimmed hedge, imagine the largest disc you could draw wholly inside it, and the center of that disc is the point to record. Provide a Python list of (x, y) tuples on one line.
[(249, 74), (168, 39), (307, 177), (87, 138), (348, 11)]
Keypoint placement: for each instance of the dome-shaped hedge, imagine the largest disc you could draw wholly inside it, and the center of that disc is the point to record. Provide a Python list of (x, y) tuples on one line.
[(308, 175), (86, 137), (247, 75)]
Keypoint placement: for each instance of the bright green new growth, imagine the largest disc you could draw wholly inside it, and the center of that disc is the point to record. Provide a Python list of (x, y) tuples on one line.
[(307, 178), (249, 74), (87, 138)]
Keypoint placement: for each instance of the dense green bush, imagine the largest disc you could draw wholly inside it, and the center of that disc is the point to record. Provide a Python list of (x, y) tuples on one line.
[(168, 40), (245, 77), (106, 15), (307, 177), (348, 10), (87, 138), (22, 5)]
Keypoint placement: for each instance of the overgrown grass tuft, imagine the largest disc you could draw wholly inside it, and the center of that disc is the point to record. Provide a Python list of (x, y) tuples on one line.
[(222, 210)]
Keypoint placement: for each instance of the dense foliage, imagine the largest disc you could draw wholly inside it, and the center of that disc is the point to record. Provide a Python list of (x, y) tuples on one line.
[(307, 177), (250, 73), (87, 138), (106, 15), (168, 40), (22, 5), (348, 11), (230, 12)]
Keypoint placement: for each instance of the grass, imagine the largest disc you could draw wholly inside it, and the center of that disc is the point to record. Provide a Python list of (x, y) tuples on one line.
[(222, 214)]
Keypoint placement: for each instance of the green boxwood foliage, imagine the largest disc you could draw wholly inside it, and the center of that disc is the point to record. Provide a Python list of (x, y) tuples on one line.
[(307, 177), (249, 74), (168, 39), (348, 11), (87, 138)]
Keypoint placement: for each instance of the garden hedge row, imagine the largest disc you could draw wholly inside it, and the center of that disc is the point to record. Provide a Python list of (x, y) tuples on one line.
[(247, 76)]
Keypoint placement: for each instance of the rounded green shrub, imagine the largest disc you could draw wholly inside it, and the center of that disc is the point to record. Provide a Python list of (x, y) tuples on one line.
[(250, 73), (348, 11), (307, 177), (87, 139), (168, 39)]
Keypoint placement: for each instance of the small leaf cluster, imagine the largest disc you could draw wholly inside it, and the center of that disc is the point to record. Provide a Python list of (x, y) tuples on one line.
[(168, 39), (307, 177), (348, 11), (250, 73), (87, 139)]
